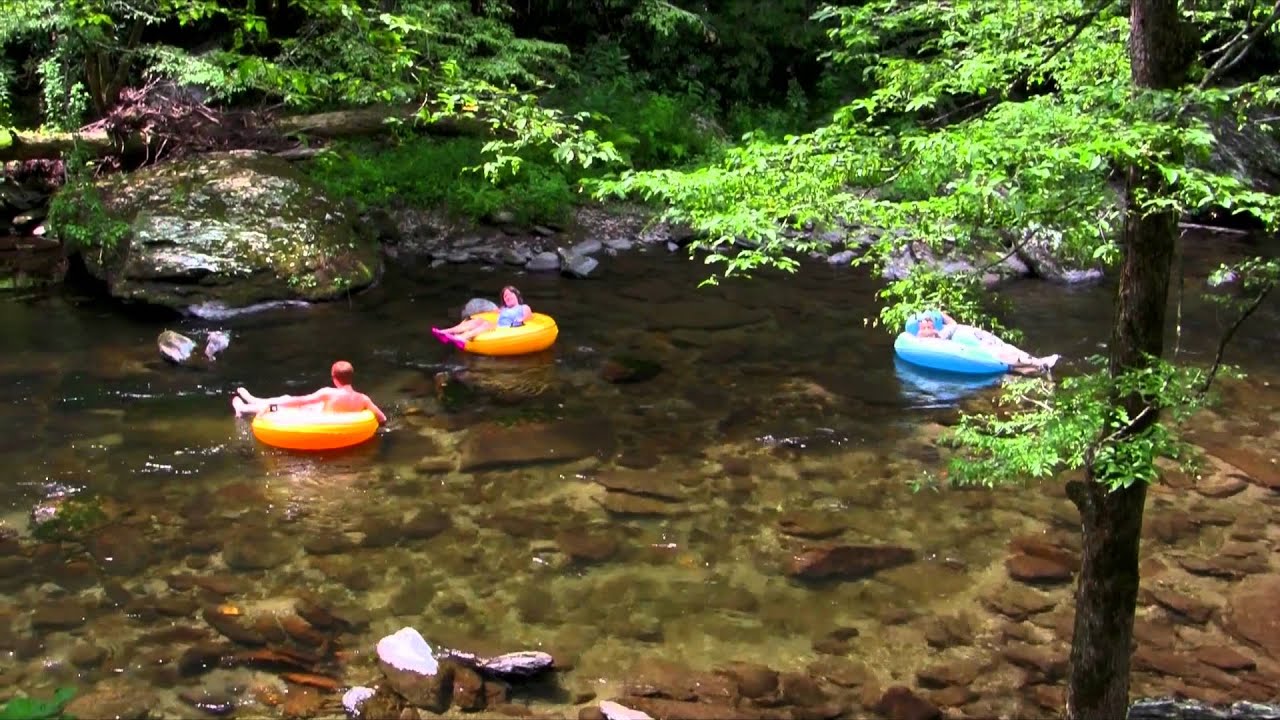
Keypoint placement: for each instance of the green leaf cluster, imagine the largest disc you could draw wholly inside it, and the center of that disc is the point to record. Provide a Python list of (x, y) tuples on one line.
[(1039, 429), (429, 172), (27, 708)]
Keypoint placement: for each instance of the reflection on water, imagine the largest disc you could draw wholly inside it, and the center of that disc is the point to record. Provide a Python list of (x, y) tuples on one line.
[(926, 388), (640, 489)]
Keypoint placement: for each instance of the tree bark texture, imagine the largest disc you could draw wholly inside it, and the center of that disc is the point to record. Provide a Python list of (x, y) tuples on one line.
[(1111, 521)]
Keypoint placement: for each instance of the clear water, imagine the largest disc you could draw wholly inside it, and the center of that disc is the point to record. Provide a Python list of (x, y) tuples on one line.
[(774, 397)]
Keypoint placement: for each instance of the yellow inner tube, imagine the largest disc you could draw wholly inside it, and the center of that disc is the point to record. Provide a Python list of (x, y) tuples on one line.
[(307, 429), (537, 333)]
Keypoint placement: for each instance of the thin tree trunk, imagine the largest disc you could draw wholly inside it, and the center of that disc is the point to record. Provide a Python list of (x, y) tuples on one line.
[(1111, 521)]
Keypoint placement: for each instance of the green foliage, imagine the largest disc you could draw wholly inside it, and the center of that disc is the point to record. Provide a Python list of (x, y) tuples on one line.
[(26, 708), (962, 296), (74, 517), (427, 173), (984, 122), (78, 216), (343, 52), (1040, 430)]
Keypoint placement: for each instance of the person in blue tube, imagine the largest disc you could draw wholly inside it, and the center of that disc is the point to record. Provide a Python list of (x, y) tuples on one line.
[(513, 313), (938, 324)]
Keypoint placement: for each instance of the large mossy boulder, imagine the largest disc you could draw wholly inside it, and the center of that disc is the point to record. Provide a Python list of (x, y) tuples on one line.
[(231, 230)]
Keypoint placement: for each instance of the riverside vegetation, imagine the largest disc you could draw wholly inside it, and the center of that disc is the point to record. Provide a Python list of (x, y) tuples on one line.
[(935, 129)]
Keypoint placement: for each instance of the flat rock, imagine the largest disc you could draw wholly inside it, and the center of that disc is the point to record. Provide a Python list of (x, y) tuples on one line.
[(899, 703), (1050, 664), (1251, 616), (1224, 658), (813, 524), (946, 674), (1037, 570), (1018, 602), (1184, 606), (122, 700), (847, 562), (1049, 548), (1260, 469), (587, 545), (620, 503), (641, 482), (1221, 485), (58, 615), (653, 678), (121, 550), (754, 680), (498, 446)]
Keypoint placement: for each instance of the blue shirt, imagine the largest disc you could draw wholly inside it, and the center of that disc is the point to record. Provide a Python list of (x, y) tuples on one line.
[(512, 316)]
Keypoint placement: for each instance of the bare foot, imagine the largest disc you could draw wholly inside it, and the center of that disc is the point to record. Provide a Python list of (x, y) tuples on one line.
[(242, 407), (244, 394)]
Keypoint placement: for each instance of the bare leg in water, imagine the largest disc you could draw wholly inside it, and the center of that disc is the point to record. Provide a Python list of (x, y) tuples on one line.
[(248, 404), (462, 332), (1015, 358)]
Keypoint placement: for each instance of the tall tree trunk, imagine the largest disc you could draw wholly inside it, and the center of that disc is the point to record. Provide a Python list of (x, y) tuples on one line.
[(1111, 521)]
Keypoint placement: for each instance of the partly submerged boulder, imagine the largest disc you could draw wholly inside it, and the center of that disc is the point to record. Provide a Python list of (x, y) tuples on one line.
[(232, 229), (412, 670)]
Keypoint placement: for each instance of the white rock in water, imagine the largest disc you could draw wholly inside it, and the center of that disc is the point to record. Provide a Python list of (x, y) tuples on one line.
[(525, 662), (614, 711), (405, 649), (175, 346), (475, 306), (217, 341), (352, 699)]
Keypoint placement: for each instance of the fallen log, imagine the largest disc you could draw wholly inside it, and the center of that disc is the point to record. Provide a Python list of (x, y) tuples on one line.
[(34, 145)]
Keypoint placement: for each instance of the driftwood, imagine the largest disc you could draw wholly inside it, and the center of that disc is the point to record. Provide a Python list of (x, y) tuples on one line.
[(100, 140)]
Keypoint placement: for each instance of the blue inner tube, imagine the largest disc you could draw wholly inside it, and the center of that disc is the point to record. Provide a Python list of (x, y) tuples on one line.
[(947, 355)]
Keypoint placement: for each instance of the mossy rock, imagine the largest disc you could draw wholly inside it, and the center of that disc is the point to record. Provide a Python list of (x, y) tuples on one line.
[(233, 229), (67, 519)]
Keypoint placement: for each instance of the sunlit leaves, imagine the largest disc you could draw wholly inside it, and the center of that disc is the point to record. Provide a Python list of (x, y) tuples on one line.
[(1039, 429)]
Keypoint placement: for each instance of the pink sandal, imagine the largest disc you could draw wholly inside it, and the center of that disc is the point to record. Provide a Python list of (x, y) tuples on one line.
[(441, 335)]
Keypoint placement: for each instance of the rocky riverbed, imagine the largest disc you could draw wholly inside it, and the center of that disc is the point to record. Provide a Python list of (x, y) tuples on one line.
[(703, 509)]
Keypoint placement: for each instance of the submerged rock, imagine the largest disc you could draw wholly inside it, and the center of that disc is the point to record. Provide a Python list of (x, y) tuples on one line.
[(355, 697), (175, 347), (525, 663), (848, 562), (216, 342), (237, 228), (1170, 709), (411, 669), (614, 711)]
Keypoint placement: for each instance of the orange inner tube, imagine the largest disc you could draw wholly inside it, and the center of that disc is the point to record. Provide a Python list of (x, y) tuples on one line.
[(306, 429), (536, 334)]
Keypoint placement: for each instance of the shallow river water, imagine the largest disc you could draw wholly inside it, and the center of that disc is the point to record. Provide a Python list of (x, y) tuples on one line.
[(539, 503)]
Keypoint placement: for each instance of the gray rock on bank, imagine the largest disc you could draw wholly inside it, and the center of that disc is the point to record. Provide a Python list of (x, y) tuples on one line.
[(230, 230)]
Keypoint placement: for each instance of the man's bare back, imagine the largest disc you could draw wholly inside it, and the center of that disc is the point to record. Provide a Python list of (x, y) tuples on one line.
[(341, 398)]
